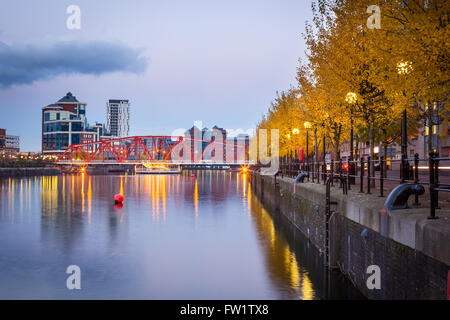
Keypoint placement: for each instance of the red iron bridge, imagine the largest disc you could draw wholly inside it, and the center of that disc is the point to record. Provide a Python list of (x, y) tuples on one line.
[(173, 150)]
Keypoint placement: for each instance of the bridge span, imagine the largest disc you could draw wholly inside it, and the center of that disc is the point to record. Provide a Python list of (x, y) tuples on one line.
[(157, 150)]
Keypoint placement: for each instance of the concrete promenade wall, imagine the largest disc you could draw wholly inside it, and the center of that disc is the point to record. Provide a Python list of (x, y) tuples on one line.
[(413, 253), (20, 172)]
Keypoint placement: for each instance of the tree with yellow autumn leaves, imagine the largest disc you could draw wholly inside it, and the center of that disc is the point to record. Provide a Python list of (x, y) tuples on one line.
[(363, 76)]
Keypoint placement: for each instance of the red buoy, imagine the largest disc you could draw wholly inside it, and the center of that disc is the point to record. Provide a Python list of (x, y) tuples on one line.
[(118, 198), (192, 176)]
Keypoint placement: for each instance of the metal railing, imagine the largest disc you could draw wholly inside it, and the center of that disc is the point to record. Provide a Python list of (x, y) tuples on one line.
[(371, 174)]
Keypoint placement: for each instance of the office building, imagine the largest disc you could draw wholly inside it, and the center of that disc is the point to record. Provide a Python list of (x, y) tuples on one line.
[(8, 143), (13, 143)]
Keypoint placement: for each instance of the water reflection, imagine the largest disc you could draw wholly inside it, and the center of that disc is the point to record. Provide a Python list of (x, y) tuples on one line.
[(196, 235)]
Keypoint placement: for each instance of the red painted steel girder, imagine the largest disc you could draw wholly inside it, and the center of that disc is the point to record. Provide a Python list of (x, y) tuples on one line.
[(121, 149)]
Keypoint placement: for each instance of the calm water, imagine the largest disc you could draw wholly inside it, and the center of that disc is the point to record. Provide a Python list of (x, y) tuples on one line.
[(176, 237)]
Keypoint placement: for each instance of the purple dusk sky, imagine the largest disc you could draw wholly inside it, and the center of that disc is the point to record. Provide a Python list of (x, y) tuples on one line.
[(220, 62)]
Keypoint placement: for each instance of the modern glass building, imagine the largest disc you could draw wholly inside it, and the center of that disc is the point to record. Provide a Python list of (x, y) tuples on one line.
[(64, 123)]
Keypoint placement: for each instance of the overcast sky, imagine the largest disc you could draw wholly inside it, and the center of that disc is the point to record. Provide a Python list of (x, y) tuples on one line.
[(220, 62)]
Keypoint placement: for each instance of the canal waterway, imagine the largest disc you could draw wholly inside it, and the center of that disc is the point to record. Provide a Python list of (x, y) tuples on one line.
[(198, 235)]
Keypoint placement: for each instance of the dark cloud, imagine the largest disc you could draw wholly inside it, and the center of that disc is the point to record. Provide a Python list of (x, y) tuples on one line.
[(27, 63)]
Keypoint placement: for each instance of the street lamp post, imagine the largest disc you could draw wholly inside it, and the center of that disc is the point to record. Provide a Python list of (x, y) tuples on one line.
[(351, 164), (403, 68), (351, 98), (404, 163), (295, 132), (324, 168), (315, 154), (307, 153), (307, 126)]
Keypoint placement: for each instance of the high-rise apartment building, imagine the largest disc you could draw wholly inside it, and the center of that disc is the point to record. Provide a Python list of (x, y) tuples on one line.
[(118, 117)]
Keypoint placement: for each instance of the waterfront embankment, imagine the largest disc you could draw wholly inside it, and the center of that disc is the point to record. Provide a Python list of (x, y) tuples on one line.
[(28, 171), (412, 252)]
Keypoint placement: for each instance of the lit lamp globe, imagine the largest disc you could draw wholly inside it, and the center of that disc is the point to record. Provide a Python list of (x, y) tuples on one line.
[(307, 125), (295, 131), (351, 97), (403, 67)]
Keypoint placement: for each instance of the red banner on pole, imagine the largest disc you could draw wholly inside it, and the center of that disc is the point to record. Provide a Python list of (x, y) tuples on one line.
[(300, 154)]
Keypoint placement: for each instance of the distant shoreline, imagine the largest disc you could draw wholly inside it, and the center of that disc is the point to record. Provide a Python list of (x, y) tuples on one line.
[(28, 171)]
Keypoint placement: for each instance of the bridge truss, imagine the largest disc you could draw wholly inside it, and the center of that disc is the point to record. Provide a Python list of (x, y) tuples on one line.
[(144, 149)]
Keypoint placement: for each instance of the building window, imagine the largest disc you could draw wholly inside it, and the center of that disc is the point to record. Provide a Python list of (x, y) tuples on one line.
[(77, 126), (76, 138)]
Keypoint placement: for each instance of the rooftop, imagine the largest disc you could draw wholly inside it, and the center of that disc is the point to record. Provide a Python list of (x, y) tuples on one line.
[(68, 98), (117, 101)]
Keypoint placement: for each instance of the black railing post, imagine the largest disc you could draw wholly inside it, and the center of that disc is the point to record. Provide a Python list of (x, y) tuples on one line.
[(289, 167), (324, 172), (416, 177), (381, 175), (348, 175), (361, 176), (436, 179), (332, 172), (432, 185), (368, 175), (318, 172)]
